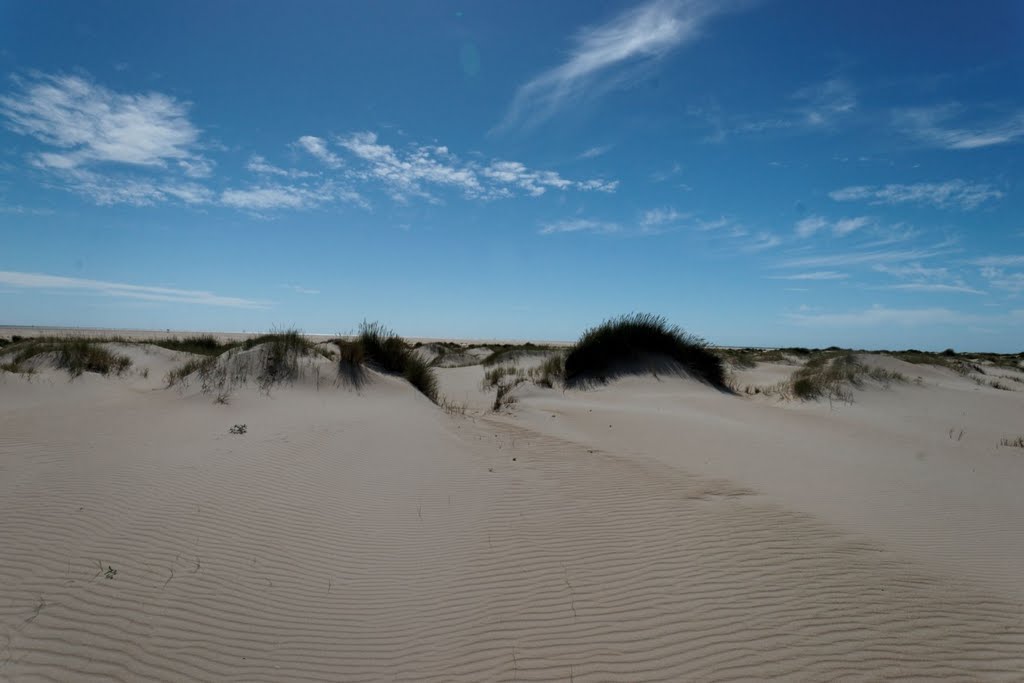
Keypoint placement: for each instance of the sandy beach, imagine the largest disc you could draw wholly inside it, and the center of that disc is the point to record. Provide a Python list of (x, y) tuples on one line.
[(650, 528)]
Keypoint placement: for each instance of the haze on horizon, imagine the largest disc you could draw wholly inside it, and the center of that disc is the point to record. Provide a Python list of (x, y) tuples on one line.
[(761, 173)]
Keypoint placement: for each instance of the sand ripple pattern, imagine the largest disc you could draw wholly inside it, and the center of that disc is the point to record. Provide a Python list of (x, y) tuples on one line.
[(334, 543)]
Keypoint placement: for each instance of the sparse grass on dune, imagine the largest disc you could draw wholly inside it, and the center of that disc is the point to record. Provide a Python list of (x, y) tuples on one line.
[(608, 349), (386, 351), (831, 374), (201, 345), (76, 356), (278, 362), (1013, 443), (503, 353)]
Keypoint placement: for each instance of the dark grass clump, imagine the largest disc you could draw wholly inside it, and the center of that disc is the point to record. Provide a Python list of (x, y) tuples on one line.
[(603, 351), (201, 345), (76, 356), (388, 352)]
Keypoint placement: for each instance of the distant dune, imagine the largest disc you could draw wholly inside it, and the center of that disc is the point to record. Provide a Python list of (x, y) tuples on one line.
[(276, 514)]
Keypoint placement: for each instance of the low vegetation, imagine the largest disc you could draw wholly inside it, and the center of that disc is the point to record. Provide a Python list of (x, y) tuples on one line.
[(201, 345), (278, 361), (506, 353), (610, 348), (74, 355), (1013, 443), (382, 349), (832, 374)]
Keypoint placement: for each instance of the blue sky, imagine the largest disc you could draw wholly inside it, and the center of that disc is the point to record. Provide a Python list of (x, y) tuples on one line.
[(761, 173)]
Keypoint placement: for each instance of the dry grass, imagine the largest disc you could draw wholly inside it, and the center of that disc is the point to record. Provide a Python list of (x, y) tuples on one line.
[(76, 356), (832, 375)]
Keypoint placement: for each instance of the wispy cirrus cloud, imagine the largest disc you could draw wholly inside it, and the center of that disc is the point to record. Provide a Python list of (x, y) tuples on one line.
[(659, 217), (89, 123), (816, 275), (826, 101), (805, 227), (999, 278), (934, 288), (111, 147), (298, 289), (918, 278), (272, 197), (811, 225), (410, 172), (955, 193), (879, 315), (862, 256), (120, 289), (937, 127), (579, 225), (259, 164), (606, 56), (1001, 260), (595, 152), (317, 147)]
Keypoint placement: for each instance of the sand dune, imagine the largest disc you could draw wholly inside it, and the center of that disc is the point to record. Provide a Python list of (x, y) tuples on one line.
[(645, 530)]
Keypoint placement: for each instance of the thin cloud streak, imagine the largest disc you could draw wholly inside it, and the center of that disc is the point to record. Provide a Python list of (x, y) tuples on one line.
[(956, 193), (602, 55), (929, 125), (118, 289)]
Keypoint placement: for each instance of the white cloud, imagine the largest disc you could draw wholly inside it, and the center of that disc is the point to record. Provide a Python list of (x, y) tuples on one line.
[(806, 227), (934, 287), (931, 126), (656, 217), (1000, 279), (595, 152), (579, 225), (816, 275), (955, 193), (602, 55), (273, 197), (914, 270), (108, 189), (258, 164), (845, 226), (301, 290), (146, 293), (872, 256), (93, 124), (878, 316), (1006, 260), (86, 129), (317, 147), (761, 242), (825, 102), (408, 173)]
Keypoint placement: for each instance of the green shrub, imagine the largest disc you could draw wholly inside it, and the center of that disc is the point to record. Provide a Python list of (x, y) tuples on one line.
[(605, 350)]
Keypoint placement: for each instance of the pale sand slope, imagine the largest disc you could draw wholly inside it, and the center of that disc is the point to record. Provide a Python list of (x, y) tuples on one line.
[(644, 531)]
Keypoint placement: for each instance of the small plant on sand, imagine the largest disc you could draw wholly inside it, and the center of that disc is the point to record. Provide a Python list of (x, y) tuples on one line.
[(238, 429), (1013, 443), (608, 349)]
